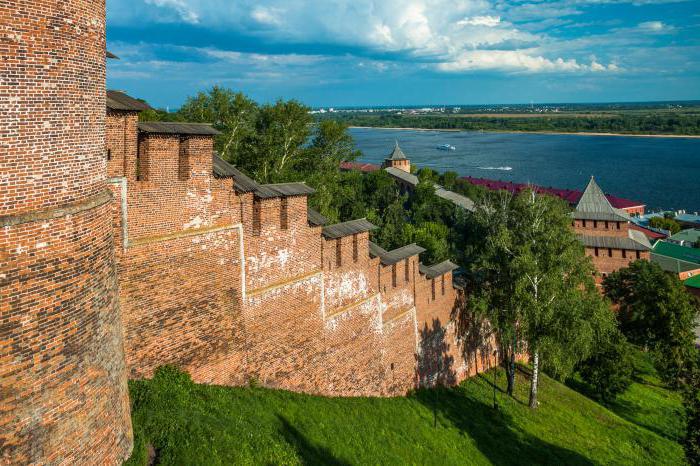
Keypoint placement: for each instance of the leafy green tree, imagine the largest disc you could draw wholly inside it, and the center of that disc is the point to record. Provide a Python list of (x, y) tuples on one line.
[(691, 402), (430, 235), (551, 300), (277, 148), (664, 223), (655, 311), (232, 113), (609, 369)]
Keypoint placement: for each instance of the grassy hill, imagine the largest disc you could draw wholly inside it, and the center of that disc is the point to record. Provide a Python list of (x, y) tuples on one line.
[(195, 424)]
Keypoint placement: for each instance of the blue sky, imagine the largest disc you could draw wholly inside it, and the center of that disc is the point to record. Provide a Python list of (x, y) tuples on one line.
[(403, 52)]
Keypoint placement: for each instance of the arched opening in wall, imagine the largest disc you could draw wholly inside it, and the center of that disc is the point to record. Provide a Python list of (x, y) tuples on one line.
[(583, 222), (610, 254), (442, 284), (393, 275), (109, 154), (407, 271), (595, 252), (624, 254), (432, 289), (638, 254), (595, 223)]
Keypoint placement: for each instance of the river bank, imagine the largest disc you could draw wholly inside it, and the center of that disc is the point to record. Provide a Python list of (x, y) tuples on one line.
[(580, 133)]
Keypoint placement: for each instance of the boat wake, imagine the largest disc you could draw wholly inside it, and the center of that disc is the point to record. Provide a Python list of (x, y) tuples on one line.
[(496, 168)]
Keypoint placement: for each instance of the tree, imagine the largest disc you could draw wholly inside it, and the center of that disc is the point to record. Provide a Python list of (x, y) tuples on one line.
[(655, 311), (550, 300), (277, 148), (664, 223), (609, 369), (691, 402), (232, 113)]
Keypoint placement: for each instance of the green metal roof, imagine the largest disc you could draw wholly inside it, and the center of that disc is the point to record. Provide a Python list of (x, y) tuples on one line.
[(691, 235), (676, 251), (693, 282)]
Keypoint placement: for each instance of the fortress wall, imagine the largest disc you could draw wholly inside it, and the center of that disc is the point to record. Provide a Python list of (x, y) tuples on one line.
[(607, 261), (62, 372), (122, 142), (601, 228), (277, 253)]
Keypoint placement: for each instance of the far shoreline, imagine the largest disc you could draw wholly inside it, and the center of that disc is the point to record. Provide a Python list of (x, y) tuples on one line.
[(580, 133)]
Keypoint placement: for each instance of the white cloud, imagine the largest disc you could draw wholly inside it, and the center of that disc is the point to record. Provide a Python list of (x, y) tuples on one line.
[(181, 7), (653, 26), (444, 34), (517, 61), (488, 21)]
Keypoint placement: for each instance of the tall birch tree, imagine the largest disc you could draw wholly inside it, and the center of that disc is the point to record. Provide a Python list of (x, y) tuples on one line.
[(538, 285)]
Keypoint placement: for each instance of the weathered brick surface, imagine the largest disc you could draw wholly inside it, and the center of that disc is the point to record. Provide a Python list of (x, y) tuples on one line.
[(268, 299), (63, 393), (608, 260)]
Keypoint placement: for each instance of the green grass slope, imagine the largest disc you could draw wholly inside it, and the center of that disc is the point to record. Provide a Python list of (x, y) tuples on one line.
[(196, 424)]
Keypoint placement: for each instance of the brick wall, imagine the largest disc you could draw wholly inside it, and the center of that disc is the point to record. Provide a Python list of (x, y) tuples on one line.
[(233, 287), (62, 371)]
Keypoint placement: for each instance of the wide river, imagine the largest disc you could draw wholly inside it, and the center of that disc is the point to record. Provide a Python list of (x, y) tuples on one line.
[(664, 173)]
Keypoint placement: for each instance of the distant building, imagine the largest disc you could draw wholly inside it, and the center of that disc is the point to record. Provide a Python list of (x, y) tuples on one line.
[(397, 159), (676, 259), (689, 238), (572, 196), (606, 232)]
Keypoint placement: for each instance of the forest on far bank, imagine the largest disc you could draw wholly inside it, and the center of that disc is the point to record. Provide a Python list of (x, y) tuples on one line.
[(653, 122)]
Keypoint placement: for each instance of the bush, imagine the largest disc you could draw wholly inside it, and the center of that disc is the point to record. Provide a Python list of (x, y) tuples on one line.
[(665, 224), (609, 370)]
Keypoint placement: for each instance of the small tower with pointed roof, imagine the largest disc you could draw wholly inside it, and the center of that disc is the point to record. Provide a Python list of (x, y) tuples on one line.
[(397, 159), (606, 232)]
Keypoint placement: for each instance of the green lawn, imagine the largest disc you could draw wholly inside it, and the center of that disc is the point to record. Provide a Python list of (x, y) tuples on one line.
[(196, 424)]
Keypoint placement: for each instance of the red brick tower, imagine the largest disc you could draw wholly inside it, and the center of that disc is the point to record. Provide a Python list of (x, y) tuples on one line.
[(63, 392)]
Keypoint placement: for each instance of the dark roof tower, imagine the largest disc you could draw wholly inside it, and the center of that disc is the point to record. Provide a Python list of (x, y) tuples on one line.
[(594, 205), (397, 159)]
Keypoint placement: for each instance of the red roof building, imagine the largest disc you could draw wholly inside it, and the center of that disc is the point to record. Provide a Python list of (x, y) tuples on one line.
[(571, 196), (363, 167)]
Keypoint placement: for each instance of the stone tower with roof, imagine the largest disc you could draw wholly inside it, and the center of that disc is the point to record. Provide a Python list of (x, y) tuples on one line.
[(605, 232), (62, 368), (397, 159)]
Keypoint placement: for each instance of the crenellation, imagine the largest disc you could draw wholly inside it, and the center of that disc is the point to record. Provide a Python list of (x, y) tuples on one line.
[(128, 245)]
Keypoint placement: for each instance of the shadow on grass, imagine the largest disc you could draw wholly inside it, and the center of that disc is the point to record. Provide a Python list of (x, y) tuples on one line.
[(308, 453), (627, 410), (493, 431)]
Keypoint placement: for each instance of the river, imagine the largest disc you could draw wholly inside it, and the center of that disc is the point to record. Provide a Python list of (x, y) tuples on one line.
[(664, 173)]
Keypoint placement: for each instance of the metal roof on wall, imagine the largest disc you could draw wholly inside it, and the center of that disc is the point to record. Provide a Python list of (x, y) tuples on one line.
[(170, 127), (347, 228), (396, 255), (117, 100)]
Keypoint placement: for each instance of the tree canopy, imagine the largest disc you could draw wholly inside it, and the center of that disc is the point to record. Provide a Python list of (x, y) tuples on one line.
[(536, 284), (655, 311)]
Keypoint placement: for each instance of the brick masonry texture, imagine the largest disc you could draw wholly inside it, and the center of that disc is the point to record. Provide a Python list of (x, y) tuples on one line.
[(63, 392), (607, 260), (120, 252), (234, 288)]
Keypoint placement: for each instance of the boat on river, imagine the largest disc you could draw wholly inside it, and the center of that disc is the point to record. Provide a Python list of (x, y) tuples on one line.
[(446, 147)]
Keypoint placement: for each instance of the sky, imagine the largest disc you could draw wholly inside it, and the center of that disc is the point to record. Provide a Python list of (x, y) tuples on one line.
[(406, 52)]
